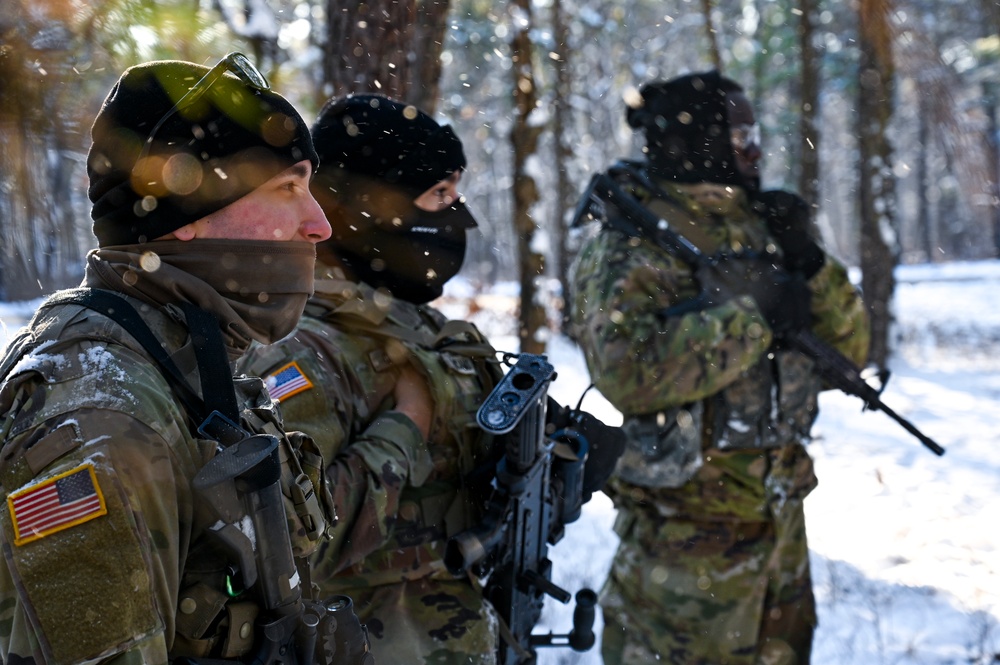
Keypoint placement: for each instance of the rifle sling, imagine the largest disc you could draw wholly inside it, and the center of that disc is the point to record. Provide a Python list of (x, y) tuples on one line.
[(213, 366), (639, 219)]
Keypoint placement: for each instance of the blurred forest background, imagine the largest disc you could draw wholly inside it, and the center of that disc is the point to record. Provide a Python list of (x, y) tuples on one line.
[(882, 113)]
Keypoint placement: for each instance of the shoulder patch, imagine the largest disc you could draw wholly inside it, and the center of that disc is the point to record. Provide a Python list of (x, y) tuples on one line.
[(286, 381), (63, 501)]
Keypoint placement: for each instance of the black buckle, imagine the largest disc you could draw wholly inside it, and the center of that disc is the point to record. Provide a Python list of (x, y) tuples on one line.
[(222, 429)]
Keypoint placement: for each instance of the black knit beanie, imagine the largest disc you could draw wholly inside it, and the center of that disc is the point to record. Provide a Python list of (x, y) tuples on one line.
[(208, 154), (396, 143), (686, 123)]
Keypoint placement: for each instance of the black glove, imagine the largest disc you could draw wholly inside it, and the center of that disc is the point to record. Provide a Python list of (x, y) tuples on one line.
[(605, 444), (790, 310), (788, 218), (782, 297)]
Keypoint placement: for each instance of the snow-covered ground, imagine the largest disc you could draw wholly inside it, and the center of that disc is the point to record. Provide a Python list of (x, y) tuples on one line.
[(905, 545)]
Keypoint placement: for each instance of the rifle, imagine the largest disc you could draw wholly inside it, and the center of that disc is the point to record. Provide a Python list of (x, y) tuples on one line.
[(242, 485), (539, 489), (638, 221)]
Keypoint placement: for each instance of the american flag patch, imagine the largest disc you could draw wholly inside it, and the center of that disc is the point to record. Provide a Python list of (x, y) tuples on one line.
[(71, 498), (287, 381)]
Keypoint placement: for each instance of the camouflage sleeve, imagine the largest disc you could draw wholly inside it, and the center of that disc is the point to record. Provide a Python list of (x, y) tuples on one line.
[(368, 478), (369, 458), (102, 584), (841, 318), (641, 359)]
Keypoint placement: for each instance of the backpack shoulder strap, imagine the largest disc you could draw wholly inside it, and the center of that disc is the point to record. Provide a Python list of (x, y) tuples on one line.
[(217, 380)]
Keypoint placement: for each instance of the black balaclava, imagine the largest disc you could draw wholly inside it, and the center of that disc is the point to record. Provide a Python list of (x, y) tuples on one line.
[(376, 157), (686, 122)]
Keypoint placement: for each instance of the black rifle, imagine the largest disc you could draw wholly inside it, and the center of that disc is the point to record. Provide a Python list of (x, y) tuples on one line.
[(637, 220), (539, 489), (242, 484)]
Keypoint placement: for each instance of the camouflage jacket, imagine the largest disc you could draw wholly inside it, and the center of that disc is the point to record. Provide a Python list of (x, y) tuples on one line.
[(398, 497), (122, 565), (704, 392)]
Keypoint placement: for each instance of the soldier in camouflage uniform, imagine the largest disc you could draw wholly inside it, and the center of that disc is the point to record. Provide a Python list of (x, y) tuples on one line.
[(203, 213), (713, 563), (389, 387)]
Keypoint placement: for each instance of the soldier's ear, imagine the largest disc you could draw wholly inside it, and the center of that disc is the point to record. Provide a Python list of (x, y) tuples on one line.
[(187, 232)]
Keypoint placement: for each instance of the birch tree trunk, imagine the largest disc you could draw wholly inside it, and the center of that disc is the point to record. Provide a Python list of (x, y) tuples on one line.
[(41, 144)]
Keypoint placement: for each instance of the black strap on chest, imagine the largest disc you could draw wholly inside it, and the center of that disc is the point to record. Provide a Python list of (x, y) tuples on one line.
[(215, 414)]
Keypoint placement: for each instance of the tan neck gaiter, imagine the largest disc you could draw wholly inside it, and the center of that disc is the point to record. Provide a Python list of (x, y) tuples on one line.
[(256, 288)]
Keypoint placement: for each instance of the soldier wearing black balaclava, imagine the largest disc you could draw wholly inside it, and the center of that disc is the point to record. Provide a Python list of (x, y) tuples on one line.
[(687, 129), (713, 563), (379, 158), (389, 386)]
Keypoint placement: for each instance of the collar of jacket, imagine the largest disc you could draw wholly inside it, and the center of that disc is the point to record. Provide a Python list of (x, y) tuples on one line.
[(709, 198), (342, 296)]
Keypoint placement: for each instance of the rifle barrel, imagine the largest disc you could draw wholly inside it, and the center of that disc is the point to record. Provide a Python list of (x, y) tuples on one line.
[(839, 371)]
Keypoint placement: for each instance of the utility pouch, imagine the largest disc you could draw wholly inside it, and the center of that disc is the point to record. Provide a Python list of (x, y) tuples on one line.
[(304, 485), (663, 449), (307, 495)]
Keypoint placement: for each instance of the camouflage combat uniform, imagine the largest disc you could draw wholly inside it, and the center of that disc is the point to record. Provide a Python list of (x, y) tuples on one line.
[(122, 566), (398, 497), (713, 562)]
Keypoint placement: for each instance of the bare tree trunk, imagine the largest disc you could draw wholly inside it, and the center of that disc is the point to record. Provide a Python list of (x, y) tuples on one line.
[(923, 181), (808, 127), (713, 42), (19, 274), (990, 100), (948, 212), (565, 193), (432, 21), (879, 245), (524, 139), (37, 103), (389, 47)]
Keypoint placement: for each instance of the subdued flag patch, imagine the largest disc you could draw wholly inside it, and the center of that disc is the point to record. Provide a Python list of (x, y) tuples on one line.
[(58, 503), (287, 381)]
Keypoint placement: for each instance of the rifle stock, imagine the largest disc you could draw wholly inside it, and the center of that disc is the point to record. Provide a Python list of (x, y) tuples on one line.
[(637, 220), (538, 491)]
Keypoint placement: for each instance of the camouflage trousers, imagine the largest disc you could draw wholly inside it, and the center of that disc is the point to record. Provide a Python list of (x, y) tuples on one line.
[(720, 593), (428, 621)]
